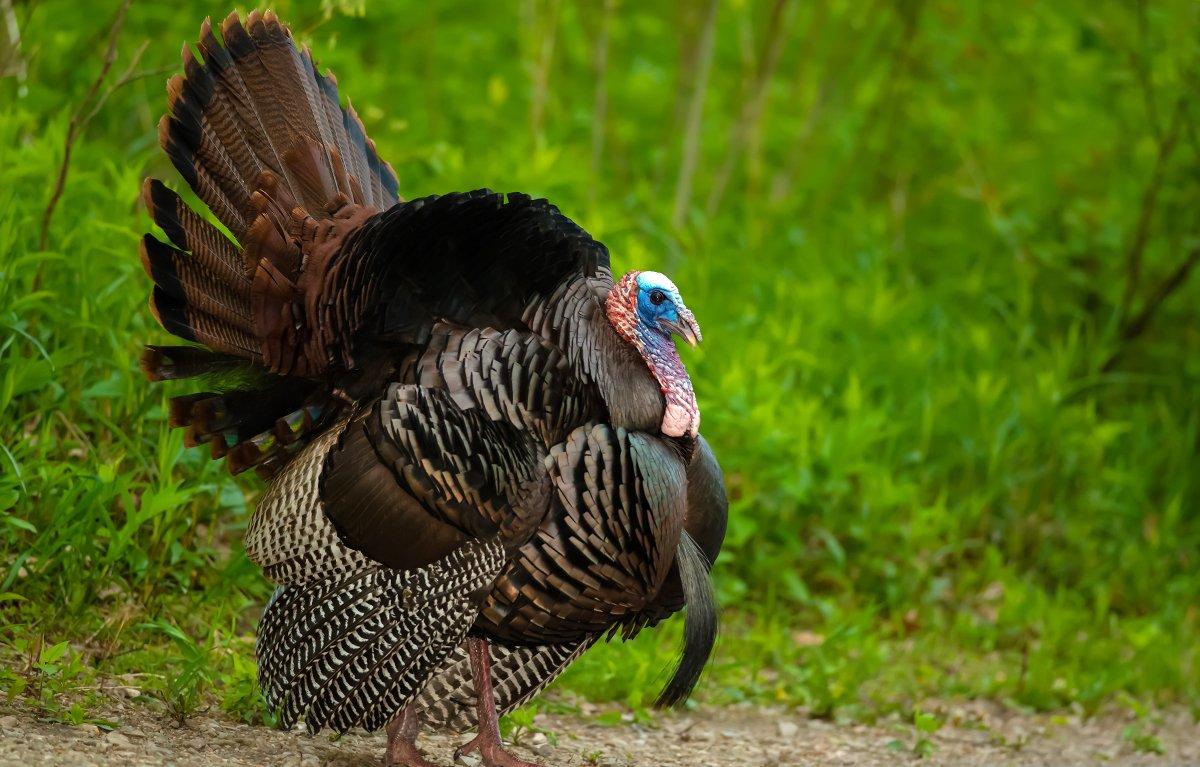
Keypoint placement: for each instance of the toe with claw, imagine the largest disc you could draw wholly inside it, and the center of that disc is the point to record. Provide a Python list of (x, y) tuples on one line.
[(402, 748), (487, 743), (491, 751)]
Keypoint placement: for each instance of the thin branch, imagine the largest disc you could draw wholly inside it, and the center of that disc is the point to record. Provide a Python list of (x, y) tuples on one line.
[(687, 32), (695, 115), (1133, 329), (600, 103), (1142, 68), (899, 64), (750, 117), (1137, 54), (1193, 139), (784, 178), (87, 109), (127, 77), (541, 71), (1141, 234), (15, 62), (838, 69), (685, 65)]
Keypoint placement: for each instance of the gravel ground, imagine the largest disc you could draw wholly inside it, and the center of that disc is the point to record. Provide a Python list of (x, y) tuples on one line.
[(978, 734)]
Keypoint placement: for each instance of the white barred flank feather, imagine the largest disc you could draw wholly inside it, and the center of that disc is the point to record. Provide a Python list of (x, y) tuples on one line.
[(290, 537), (518, 673), (352, 650)]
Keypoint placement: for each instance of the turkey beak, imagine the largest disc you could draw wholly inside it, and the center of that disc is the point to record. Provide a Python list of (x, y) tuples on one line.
[(686, 328)]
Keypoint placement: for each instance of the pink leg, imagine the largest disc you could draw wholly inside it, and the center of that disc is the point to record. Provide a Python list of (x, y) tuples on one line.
[(487, 742), (402, 748)]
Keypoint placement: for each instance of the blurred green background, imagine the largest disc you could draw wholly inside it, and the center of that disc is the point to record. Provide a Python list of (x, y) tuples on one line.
[(940, 251)]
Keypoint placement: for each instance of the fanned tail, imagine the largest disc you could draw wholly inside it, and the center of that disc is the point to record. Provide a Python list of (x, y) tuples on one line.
[(260, 137), (254, 103)]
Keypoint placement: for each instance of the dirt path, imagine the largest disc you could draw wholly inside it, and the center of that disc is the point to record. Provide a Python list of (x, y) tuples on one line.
[(978, 734)]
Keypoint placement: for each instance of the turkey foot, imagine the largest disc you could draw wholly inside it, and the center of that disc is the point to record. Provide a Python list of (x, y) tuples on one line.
[(402, 748), (487, 743), (492, 751)]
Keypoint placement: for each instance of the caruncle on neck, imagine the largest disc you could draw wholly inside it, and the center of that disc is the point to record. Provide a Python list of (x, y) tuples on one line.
[(646, 309)]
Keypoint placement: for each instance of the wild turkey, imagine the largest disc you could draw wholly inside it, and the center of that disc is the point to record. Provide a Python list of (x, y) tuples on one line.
[(483, 455)]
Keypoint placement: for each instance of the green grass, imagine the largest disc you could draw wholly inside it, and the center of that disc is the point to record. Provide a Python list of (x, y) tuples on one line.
[(910, 291)]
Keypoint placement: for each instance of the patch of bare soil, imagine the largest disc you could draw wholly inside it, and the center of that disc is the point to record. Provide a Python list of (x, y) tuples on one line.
[(975, 734)]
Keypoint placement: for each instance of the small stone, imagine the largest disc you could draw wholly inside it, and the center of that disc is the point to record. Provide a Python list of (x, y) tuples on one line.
[(130, 692), (116, 739), (808, 639), (8, 722), (89, 730), (539, 744), (470, 760), (787, 729)]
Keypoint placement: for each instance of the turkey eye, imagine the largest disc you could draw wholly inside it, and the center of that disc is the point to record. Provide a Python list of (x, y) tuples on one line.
[(657, 297)]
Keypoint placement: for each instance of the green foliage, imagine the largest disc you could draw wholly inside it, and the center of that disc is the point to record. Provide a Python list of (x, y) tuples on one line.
[(183, 692), (520, 724), (242, 698), (956, 465), (1142, 735), (1141, 740), (53, 679), (925, 724), (592, 757)]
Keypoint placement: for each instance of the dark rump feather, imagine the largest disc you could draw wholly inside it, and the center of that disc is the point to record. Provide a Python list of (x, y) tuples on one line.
[(169, 363)]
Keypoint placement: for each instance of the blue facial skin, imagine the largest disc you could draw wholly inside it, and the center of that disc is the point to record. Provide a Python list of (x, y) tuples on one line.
[(649, 314)]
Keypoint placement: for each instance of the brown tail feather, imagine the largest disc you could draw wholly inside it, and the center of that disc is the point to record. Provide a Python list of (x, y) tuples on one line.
[(198, 176), (169, 363), (227, 111), (268, 451), (185, 279), (192, 233), (191, 324), (241, 427), (195, 138)]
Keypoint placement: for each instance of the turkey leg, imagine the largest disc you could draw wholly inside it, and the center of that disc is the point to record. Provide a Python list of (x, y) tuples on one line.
[(487, 743), (402, 748)]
